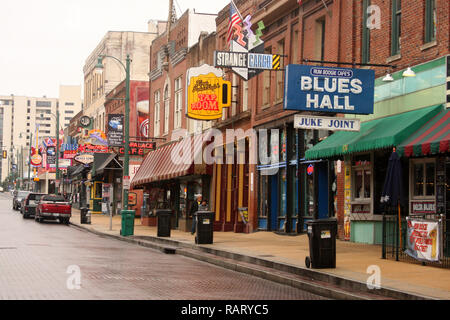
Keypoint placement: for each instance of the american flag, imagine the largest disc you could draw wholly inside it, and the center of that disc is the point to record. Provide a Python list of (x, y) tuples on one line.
[(235, 18)]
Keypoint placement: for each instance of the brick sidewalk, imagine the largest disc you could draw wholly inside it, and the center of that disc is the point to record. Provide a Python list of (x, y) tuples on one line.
[(352, 259)]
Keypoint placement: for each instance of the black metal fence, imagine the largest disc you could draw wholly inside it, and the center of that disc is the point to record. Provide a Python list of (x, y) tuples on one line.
[(394, 241)]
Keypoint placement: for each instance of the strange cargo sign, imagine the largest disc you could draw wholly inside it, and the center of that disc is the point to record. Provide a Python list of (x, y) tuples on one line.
[(326, 89)]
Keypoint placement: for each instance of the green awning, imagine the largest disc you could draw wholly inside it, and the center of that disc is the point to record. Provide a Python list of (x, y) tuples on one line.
[(375, 134)]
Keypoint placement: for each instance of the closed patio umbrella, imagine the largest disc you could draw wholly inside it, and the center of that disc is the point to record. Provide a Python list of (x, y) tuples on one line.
[(392, 194)]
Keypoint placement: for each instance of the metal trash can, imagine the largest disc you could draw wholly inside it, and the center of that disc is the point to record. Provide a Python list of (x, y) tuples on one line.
[(322, 243), (204, 227), (163, 222), (127, 223), (85, 216)]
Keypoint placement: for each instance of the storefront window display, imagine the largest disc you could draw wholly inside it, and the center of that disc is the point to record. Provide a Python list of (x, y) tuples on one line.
[(362, 184)]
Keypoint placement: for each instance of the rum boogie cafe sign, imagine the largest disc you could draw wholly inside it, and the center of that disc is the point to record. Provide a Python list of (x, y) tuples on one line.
[(325, 89)]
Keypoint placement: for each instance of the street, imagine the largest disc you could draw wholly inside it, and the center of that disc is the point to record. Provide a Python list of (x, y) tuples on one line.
[(47, 261)]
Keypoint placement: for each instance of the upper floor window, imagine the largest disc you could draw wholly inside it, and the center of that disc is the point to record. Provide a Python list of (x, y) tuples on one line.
[(47, 104), (396, 27), (266, 83), (280, 75), (365, 52), (166, 109), (157, 114), (178, 103), (430, 20), (69, 104)]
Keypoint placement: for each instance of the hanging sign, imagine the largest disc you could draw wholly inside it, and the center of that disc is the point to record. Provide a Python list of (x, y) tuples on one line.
[(248, 60), (51, 155), (85, 121), (85, 158), (36, 160), (326, 123), (89, 148), (115, 130), (325, 89), (423, 241), (207, 93)]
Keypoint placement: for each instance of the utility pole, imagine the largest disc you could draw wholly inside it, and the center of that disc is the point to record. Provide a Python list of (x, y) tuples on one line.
[(57, 150), (29, 163)]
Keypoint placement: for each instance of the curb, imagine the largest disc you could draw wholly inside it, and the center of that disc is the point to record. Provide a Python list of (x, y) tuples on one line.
[(332, 286)]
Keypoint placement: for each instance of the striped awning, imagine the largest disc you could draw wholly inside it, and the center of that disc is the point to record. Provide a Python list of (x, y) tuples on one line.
[(432, 138), (175, 159)]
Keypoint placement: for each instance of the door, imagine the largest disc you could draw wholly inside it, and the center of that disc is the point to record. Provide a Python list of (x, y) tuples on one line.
[(274, 202)]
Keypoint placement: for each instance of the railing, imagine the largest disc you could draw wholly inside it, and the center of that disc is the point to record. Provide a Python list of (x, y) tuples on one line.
[(394, 245)]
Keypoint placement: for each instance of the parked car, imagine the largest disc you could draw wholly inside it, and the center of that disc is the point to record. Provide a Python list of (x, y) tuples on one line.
[(29, 204), (18, 197), (53, 207)]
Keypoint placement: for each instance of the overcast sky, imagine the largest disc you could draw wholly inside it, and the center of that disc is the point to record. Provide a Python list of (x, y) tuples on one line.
[(44, 43)]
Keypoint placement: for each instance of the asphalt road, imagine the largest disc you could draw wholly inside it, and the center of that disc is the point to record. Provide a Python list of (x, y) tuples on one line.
[(47, 261)]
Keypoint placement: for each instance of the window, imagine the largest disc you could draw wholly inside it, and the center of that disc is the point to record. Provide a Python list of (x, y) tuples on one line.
[(362, 175), (28, 103), (423, 178), (430, 20), (266, 83), (294, 47), (166, 109), (47, 104), (245, 96), (69, 104), (28, 110), (365, 53), (157, 114), (320, 39), (279, 74), (178, 103), (68, 111), (396, 27)]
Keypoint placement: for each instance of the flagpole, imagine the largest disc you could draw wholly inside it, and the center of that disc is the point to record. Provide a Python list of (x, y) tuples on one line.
[(237, 10)]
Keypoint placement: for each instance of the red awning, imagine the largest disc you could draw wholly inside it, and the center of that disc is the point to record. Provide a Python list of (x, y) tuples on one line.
[(432, 138), (175, 159)]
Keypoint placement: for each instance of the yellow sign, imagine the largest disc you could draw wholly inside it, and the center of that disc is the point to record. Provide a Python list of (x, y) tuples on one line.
[(207, 93)]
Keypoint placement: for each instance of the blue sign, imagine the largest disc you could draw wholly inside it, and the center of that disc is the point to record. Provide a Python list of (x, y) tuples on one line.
[(326, 89)]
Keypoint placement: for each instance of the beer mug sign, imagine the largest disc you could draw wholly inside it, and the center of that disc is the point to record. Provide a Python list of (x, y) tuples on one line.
[(207, 93)]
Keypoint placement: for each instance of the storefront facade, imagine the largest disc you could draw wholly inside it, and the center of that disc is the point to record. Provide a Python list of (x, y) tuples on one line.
[(410, 115)]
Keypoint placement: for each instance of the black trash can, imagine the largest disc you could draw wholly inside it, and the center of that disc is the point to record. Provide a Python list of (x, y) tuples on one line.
[(85, 216), (322, 243), (163, 221), (204, 227)]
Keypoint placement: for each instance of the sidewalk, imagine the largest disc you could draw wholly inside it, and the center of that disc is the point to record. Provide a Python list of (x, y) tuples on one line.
[(352, 260)]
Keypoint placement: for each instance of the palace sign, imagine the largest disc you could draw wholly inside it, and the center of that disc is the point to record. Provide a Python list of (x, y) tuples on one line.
[(207, 93), (324, 89)]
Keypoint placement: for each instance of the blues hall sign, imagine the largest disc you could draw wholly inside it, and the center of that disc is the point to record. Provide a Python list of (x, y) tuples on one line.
[(325, 89)]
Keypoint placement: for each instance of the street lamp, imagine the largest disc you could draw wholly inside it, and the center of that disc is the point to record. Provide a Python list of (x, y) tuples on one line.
[(57, 147), (99, 69)]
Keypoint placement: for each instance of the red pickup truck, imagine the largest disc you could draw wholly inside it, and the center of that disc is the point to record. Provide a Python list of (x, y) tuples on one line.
[(53, 207)]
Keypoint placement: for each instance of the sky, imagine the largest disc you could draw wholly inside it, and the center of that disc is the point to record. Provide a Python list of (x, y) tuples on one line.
[(44, 43)]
